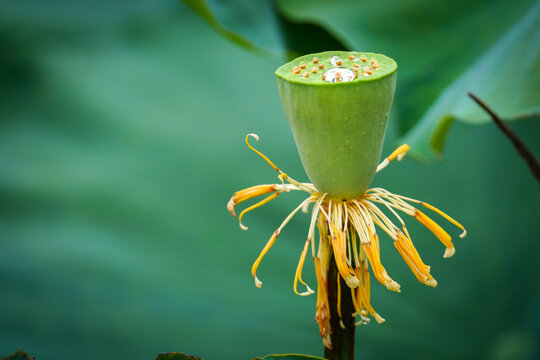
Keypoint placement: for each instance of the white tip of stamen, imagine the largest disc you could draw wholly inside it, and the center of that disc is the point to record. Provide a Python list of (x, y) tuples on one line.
[(230, 207), (308, 292), (326, 342), (449, 252), (378, 318), (401, 156), (432, 283), (393, 286), (352, 282), (258, 282), (305, 208), (243, 227), (255, 136), (382, 165), (341, 324), (463, 234)]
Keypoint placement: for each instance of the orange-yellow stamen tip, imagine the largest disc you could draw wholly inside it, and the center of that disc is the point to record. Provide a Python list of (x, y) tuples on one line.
[(247, 194), (398, 154), (437, 231), (433, 208)]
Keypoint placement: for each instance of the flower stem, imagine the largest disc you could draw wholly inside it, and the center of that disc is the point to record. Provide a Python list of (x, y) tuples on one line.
[(342, 339)]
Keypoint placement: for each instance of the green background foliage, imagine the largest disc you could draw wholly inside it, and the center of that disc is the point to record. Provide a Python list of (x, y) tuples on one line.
[(121, 140)]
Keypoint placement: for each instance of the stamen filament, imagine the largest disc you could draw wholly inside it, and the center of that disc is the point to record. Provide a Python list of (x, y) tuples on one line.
[(256, 137), (273, 238), (253, 207), (298, 274)]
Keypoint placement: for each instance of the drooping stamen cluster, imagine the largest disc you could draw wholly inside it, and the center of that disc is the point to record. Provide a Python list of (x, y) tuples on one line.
[(347, 230)]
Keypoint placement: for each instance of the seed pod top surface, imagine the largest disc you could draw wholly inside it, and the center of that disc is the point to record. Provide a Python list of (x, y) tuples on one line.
[(337, 104), (353, 66)]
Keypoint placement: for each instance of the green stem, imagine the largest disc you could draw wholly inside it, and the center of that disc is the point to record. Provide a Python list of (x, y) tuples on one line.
[(342, 339)]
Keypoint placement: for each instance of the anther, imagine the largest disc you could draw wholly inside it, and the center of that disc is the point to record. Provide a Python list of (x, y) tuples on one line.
[(302, 66), (296, 70), (338, 77), (351, 57), (339, 62), (323, 76), (314, 69), (305, 74), (321, 66), (363, 58), (315, 60), (355, 65), (367, 71)]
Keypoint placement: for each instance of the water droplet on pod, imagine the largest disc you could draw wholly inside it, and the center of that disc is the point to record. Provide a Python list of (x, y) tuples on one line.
[(339, 75)]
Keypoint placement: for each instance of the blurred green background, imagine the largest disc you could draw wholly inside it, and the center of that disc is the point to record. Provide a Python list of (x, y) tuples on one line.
[(121, 140)]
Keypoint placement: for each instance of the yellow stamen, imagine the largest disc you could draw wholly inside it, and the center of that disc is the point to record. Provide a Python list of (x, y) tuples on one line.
[(399, 153), (256, 137), (270, 242), (322, 315), (363, 295), (409, 254), (247, 194), (372, 252), (437, 231), (433, 208), (253, 207), (338, 244), (298, 274), (338, 283)]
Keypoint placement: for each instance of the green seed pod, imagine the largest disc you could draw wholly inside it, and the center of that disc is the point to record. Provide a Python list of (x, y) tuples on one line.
[(337, 104)]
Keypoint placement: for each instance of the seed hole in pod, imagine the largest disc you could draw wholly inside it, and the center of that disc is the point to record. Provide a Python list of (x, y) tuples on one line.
[(339, 75), (336, 60)]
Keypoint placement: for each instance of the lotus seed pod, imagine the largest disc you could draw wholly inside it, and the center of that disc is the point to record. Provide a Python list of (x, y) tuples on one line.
[(338, 117)]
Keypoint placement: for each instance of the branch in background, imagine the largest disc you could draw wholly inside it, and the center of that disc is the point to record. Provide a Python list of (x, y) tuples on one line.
[(522, 149)]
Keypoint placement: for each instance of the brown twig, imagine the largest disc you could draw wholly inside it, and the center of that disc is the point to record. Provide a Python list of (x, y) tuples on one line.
[(342, 339), (521, 148)]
